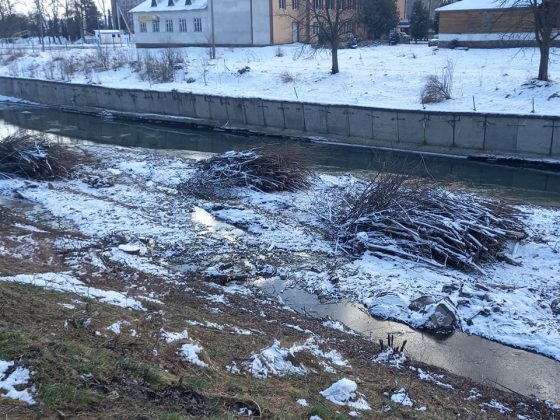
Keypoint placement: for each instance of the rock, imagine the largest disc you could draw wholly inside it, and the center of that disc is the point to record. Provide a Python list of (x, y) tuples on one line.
[(130, 249), (449, 288), (441, 314), (420, 304), (443, 320), (484, 312), (555, 306)]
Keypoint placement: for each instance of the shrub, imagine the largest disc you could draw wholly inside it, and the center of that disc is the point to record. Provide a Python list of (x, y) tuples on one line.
[(160, 68), (12, 56), (263, 169), (33, 156), (287, 77), (279, 52), (438, 88)]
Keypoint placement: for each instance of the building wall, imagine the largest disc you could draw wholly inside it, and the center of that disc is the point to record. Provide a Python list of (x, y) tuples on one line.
[(236, 22), (485, 21), (174, 38), (501, 28), (282, 20), (232, 22), (262, 22), (401, 6)]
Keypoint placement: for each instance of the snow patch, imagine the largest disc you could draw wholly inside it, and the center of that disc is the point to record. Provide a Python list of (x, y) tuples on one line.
[(12, 379), (344, 392), (190, 352)]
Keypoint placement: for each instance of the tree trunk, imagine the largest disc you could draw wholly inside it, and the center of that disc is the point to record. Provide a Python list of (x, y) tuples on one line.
[(543, 66), (334, 53)]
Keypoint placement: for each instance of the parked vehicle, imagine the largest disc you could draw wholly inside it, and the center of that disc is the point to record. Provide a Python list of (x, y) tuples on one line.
[(433, 42)]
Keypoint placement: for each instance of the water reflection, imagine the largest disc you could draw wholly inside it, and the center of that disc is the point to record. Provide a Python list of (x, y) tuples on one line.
[(482, 360)]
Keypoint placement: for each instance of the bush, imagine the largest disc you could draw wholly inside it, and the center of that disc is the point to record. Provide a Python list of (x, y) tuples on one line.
[(33, 156), (287, 77), (263, 169), (398, 216), (160, 68), (438, 88)]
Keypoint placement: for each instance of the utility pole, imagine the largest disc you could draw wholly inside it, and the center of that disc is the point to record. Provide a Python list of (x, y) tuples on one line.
[(213, 34)]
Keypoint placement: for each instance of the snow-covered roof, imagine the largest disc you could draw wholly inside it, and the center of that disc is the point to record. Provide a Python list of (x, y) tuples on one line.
[(163, 6), (483, 5)]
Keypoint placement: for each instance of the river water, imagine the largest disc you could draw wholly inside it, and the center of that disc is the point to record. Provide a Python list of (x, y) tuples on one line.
[(470, 356)]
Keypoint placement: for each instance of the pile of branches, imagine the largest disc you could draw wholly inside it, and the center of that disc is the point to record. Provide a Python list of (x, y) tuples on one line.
[(264, 169), (33, 156), (395, 215)]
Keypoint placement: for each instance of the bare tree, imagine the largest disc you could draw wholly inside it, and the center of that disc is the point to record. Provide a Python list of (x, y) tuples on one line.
[(6, 9), (544, 17), (327, 22)]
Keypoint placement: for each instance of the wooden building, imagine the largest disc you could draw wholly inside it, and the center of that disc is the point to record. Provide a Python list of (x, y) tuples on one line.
[(486, 24)]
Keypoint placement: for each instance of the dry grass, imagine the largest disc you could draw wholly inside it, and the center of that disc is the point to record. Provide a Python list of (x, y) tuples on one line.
[(287, 77), (83, 370)]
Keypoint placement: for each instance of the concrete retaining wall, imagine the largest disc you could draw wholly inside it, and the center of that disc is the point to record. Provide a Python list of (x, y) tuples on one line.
[(459, 133)]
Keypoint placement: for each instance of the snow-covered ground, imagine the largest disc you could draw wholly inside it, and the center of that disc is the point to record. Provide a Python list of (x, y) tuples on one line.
[(256, 235), (492, 80)]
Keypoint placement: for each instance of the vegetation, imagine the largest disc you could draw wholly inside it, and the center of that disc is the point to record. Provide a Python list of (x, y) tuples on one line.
[(419, 21), (545, 17), (263, 169), (411, 219), (379, 17), (328, 26), (33, 156)]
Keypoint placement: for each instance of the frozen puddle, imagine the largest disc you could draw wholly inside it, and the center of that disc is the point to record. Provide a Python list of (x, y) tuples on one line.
[(482, 360)]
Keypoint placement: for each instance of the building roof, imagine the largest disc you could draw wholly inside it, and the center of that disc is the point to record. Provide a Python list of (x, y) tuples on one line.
[(483, 5), (163, 6)]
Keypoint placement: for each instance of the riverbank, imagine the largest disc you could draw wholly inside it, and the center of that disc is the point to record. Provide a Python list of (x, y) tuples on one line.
[(114, 303), (392, 77)]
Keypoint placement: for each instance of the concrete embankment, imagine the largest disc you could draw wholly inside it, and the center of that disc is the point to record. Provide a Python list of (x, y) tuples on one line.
[(526, 136)]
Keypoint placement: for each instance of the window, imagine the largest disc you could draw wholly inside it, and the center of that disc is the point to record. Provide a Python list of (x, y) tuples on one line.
[(318, 4), (350, 4), (197, 24), (330, 4), (315, 29), (182, 25), (168, 25), (295, 4), (143, 27), (350, 27), (282, 4), (155, 26)]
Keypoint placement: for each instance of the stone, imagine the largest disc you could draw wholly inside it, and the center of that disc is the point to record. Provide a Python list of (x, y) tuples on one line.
[(449, 288), (555, 306), (420, 304), (442, 316), (130, 249), (443, 319)]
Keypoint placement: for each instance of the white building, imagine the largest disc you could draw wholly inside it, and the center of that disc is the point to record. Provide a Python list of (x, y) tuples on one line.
[(109, 36), (174, 23)]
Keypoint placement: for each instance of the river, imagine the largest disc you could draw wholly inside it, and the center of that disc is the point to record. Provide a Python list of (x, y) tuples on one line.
[(474, 357)]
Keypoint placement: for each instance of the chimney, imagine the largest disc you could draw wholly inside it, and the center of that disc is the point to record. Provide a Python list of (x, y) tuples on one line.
[(154, 3), (170, 3), (188, 2)]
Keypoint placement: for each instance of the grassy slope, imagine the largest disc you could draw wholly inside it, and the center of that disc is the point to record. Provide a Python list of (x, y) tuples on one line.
[(81, 373)]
